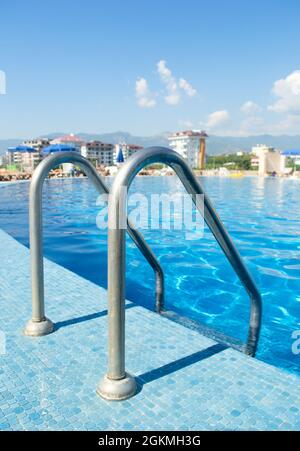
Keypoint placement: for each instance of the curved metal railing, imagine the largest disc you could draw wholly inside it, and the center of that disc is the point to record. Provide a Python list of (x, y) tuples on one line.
[(39, 323), (117, 384)]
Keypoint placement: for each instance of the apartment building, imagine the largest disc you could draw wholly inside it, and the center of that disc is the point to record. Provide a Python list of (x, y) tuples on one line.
[(99, 152)]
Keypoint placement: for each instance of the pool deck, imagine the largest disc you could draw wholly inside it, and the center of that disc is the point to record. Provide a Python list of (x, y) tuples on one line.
[(189, 382)]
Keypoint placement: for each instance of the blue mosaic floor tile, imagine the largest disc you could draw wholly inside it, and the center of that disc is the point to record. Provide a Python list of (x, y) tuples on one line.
[(189, 382)]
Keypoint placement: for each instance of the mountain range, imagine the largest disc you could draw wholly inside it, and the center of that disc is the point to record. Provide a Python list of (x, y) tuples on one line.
[(215, 144)]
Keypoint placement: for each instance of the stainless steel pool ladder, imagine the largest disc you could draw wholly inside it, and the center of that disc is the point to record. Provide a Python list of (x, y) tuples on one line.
[(39, 323), (117, 384)]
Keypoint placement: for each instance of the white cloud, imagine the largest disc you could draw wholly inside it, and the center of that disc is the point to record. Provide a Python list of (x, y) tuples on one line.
[(173, 95), (250, 108), (217, 119), (290, 124), (257, 125), (288, 91), (252, 125), (173, 87), (164, 71), (144, 97), (187, 87), (173, 98)]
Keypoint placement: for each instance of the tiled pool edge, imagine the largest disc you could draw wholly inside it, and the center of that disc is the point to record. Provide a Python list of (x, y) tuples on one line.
[(189, 381)]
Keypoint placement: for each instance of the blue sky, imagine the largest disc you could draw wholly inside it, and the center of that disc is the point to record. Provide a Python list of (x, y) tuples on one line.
[(231, 67)]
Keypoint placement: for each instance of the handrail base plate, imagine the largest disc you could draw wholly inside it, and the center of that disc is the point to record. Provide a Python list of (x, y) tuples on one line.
[(39, 328), (117, 390)]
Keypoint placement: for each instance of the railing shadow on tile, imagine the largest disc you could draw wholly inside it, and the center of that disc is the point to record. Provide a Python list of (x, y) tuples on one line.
[(81, 319), (179, 364)]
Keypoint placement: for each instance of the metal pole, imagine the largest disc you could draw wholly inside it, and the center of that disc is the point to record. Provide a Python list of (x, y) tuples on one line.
[(36, 252), (117, 384), (39, 324)]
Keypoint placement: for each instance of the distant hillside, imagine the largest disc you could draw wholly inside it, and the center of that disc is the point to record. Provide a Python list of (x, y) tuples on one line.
[(215, 144), (227, 144), (116, 137)]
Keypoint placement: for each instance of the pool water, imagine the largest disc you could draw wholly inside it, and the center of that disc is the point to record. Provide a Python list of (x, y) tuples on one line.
[(261, 215)]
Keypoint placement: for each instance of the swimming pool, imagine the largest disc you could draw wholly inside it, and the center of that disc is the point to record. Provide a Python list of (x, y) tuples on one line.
[(261, 215)]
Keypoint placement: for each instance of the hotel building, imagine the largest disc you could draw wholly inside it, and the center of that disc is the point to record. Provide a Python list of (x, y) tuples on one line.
[(38, 143), (99, 152), (267, 159), (27, 155), (23, 157), (187, 144)]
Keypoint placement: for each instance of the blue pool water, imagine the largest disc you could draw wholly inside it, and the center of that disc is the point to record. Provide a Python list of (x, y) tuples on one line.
[(261, 215)]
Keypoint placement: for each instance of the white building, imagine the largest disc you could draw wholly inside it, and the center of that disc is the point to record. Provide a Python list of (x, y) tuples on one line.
[(107, 154), (261, 148), (37, 143), (268, 159), (255, 162), (27, 155), (23, 157), (187, 144), (99, 152)]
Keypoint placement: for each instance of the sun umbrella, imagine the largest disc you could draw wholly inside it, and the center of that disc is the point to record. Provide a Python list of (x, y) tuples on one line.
[(58, 148)]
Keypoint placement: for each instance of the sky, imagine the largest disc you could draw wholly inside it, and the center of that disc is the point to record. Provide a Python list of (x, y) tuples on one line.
[(146, 67)]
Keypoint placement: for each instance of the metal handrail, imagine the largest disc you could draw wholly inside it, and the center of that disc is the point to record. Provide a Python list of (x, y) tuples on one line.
[(39, 323), (117, 384)]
